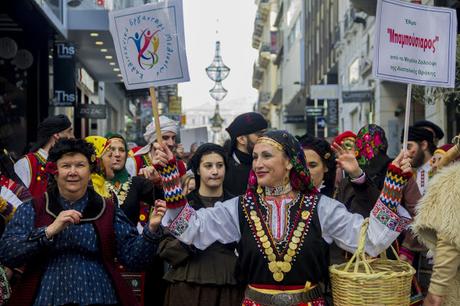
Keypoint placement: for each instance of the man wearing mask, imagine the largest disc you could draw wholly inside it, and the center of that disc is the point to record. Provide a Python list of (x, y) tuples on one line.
[(31, 168), (420, 147), (244, 132)]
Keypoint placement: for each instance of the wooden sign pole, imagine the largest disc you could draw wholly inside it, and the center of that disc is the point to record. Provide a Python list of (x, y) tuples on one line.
[(156, 116)]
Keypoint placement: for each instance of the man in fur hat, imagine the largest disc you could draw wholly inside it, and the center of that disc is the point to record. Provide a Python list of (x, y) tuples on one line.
[(31, 168), (437, 225), (438, 134), (244, 131)]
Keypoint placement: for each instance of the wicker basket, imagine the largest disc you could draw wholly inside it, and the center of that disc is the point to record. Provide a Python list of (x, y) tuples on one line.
[(367, 281)]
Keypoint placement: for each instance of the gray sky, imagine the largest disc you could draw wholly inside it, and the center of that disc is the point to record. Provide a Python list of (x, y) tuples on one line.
[(235, 26)]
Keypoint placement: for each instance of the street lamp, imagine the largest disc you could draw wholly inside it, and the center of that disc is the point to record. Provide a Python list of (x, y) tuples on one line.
[(217, 72)]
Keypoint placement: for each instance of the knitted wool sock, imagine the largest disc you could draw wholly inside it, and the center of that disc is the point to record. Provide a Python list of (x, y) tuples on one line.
[(171, 185), (395, 181)]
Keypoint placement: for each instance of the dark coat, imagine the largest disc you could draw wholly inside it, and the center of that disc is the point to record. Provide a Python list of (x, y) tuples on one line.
[(236, 176)]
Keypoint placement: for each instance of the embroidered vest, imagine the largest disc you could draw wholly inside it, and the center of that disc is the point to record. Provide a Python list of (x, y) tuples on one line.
[(24, 293), (38, 177), (307, 254)]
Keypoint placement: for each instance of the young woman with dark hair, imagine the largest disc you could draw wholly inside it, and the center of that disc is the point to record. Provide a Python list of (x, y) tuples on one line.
[(204, 277)]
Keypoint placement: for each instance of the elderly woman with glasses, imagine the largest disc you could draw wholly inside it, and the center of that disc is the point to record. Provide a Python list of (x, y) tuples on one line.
[(282, 224), (68, 238)]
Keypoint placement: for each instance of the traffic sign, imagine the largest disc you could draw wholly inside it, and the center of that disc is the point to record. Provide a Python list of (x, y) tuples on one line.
[(321, 122)]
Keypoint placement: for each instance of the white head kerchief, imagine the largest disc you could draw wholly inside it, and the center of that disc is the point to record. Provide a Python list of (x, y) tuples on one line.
[(150, 135)]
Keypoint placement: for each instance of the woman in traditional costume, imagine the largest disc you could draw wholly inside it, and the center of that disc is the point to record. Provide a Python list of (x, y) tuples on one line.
[(320, 163), (203, 277), (282, 225), (68, 238), (131, 191)]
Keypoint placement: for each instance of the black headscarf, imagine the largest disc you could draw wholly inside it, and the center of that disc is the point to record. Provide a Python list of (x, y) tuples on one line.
[(299, 176), (48, 128), (205, 149)]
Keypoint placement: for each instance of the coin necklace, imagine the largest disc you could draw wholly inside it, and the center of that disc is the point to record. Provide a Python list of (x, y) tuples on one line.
[(279, 267), (121, 192)]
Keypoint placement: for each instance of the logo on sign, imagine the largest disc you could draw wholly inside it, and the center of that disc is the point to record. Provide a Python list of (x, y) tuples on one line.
[(65, 50), (146, 45), (63, 97)]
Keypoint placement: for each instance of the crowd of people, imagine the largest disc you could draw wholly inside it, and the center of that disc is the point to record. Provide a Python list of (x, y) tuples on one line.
[(257, 221)]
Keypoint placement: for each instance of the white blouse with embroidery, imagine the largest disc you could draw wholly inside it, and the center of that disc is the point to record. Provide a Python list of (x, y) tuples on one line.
[(220, 223)]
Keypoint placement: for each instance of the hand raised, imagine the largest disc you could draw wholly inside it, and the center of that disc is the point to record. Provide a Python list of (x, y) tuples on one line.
[(346, 160), (156, 215), (403, 162), (150, 173), (162, 154)]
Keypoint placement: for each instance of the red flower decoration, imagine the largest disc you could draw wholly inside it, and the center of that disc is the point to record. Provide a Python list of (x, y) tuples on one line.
[(51, 168)]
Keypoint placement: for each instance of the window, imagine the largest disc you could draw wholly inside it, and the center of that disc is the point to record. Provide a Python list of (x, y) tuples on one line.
[(295, 32), (353, 72)]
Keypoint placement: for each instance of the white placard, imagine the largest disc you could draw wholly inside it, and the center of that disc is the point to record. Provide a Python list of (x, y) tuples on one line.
[(150, 44), (415, 44), (197, 135)]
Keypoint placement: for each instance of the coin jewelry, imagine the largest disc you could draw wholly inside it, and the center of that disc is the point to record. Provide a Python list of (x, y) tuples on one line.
[(121, 192), (279, 262)]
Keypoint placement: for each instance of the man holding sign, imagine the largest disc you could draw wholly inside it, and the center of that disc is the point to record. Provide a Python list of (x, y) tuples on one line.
[(416, 44), (150, 46)]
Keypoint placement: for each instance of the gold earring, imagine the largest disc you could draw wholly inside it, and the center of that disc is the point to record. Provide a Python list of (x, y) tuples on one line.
[(286, 180)]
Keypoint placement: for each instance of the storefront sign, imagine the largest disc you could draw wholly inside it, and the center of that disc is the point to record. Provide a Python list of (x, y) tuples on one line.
[(415, 44), (314, 111), (358, 96), (294, 119), (150, 44), (64, 75), (175, 105), (92, 111), (324, 91)]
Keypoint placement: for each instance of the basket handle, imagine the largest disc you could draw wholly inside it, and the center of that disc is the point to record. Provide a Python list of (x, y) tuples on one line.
[(359, 257), (383, 255)]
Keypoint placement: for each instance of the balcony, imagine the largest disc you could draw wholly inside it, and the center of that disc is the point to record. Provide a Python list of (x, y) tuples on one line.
[(258, 30), (264, 9), (257, 76), (264, 55), (367, 6)]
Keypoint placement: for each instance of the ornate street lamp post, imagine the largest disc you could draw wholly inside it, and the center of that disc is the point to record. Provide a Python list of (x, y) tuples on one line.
[(217, 72)]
